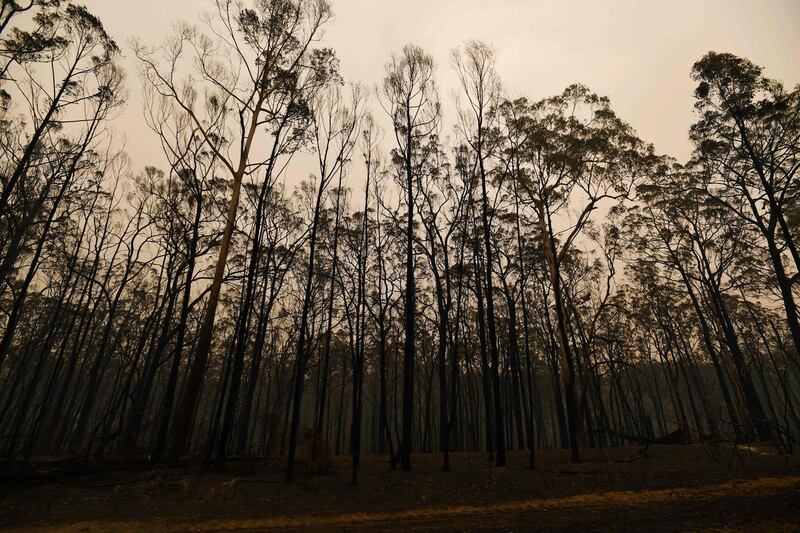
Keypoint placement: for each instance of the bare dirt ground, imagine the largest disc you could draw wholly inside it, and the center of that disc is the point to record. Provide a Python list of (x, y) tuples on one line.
[(673, 488)]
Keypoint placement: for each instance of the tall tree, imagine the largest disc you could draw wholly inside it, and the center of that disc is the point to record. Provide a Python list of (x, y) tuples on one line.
[(270, 46), (480, 84), (581, 156), (411, 100)]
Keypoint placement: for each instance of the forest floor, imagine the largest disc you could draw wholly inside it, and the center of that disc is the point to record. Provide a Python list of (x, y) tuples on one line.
[(672, 488)]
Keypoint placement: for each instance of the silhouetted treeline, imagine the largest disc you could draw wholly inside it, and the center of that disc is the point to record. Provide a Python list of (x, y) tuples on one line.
[(536, 277)]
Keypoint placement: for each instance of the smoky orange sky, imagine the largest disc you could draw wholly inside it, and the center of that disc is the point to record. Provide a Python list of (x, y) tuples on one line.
[(638, 53)]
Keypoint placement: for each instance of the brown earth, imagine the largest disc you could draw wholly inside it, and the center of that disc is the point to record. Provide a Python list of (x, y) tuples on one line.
[(673, 488)]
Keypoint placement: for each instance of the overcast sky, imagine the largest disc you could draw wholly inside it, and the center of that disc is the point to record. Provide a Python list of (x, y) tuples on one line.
[(637, 52)]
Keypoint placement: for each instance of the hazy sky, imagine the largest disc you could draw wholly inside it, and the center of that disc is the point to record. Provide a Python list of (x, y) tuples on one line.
[(636, 52)]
